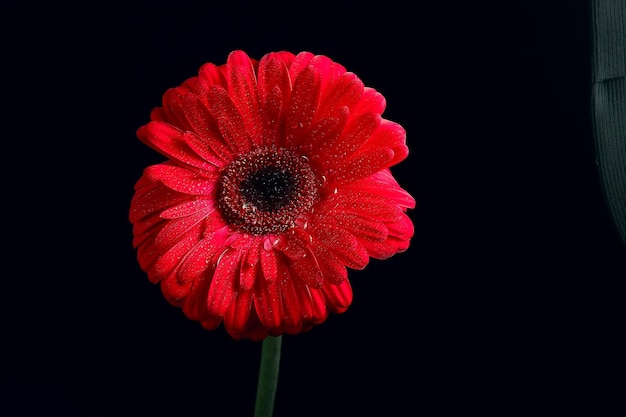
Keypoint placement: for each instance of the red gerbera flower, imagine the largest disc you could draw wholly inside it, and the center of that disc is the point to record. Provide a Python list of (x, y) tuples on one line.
[(277, 179)]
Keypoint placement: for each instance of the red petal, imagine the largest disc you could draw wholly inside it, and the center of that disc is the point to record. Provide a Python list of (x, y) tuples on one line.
[(236, 318), (254, 329), (175, 229), (194, 305), (294, 244), (389, 135), (332, 269), (312, 303), (206, 127), (173, 291), (242, 86), (292, 313), (383, 184), (269, 265), (403, 228), (173, 111), (188, 208), (170, 141), (371, 101), (229, 120), (210, 75), (386, 249), (400, 233), (273, 74), (324, 67), (359, 226), (192, 85), (363, 164), (339, 296), (300, 62), (201, 256), (211, 322), (346, 91), (249, 262), (198, 117), (146, 228), (342, 244), (355, 134), (151, 198), (213, 149), (268, 303), (364, 204), (271, 111), (322, 132), (172, 256), (307, 270), (181, 179), (381, 250), (286, 57), (222, 290), (330, 71), (252, 258), (302, 106)]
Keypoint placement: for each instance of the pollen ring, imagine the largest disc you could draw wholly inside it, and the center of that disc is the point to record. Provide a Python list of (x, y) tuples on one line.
[(266, 190)]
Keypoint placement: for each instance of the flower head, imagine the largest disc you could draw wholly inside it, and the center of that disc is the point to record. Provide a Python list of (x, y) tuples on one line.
[(276, 181)]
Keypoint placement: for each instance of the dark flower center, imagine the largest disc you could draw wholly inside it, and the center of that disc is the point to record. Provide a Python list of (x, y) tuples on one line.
[(266, 190), (269, 189)]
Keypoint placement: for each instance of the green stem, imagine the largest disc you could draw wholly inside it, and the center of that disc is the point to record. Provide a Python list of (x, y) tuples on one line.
[(268, 377)]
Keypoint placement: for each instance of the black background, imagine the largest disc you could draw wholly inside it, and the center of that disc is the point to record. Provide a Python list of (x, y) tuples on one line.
[(509, 302)]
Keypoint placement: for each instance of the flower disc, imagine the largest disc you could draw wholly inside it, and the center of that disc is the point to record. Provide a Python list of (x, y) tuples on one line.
[(265, 191)]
